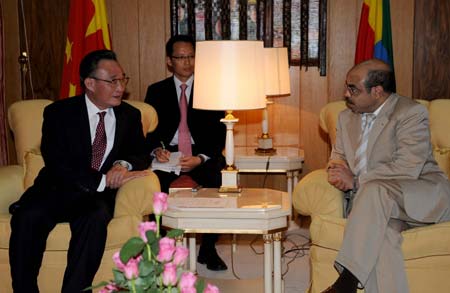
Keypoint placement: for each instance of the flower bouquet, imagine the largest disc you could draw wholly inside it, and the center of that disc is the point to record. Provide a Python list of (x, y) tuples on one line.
[(150, 263)]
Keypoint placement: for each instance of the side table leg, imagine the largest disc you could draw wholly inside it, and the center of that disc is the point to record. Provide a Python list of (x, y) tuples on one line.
[(192, 254), (289, 190), (277, 287), (181, 241), (267, 263)]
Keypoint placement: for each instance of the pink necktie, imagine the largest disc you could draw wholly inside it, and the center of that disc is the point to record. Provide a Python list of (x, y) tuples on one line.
[(184, 136), (99, 144)]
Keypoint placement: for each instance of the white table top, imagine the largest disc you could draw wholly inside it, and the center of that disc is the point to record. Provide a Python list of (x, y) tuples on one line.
[(259, 211)]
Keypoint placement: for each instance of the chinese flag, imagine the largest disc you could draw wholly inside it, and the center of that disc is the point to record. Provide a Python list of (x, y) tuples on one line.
[(87, 31)]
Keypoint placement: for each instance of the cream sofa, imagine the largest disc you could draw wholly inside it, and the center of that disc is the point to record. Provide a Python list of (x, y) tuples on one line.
[(133, 201), (426, 250)]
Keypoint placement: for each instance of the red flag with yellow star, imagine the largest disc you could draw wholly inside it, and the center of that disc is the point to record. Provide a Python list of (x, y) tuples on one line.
[(87, 31)]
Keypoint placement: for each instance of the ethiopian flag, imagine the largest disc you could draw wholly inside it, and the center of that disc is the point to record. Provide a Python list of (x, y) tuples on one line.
[(374, 35), (87, 31)]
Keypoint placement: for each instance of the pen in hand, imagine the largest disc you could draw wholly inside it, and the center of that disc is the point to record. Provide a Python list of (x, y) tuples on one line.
[(164, 153)]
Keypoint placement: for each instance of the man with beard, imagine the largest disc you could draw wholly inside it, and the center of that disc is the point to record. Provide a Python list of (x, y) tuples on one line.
[(384, 155)]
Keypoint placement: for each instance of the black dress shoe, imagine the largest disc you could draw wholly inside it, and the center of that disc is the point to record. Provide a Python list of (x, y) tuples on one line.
[(211, 259)]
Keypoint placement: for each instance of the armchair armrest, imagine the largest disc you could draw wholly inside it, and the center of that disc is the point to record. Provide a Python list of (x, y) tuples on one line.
[(313, 195), (136, 196), (11, 186)]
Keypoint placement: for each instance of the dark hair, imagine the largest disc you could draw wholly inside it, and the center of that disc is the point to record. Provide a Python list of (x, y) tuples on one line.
[(176, 39), (90, 62), (384, 78)]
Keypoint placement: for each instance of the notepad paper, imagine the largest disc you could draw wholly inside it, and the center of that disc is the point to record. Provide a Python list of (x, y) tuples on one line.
[(173, 165)]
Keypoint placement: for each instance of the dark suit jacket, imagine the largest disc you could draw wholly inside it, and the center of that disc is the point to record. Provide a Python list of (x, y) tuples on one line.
[(67, 151), (205, 126)]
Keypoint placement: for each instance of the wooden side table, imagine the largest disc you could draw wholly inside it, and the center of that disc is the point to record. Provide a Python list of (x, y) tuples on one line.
[(287, 160), (258, 211)]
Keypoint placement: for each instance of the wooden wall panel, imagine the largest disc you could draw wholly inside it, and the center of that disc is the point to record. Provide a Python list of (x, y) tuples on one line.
[(124, 30), (153, 35), (11, 66), (46, 24), (402, 21), (313, 95), (431, 50), (343, 25)]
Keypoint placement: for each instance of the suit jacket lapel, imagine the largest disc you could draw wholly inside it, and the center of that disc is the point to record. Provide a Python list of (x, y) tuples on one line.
[(354, 130), (82, 123), (380, 122)]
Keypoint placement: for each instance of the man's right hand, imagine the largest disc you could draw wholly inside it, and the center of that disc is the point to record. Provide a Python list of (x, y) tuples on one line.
[(340, 176), (162, 155)]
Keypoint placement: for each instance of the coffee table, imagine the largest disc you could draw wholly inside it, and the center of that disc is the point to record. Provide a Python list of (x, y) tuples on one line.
[(255, 211)]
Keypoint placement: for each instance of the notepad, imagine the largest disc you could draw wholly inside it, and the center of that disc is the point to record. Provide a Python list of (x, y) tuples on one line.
[(173, 165)]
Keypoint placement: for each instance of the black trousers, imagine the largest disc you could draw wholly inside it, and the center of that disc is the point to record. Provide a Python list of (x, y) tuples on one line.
[(88, 216)]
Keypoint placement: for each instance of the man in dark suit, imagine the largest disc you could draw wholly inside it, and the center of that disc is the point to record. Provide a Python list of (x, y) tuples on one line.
[(87, 156), (384, 154), (205, 134)]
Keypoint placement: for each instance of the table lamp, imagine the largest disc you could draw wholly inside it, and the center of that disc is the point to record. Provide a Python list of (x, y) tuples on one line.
[(229, 75), (277, 83)]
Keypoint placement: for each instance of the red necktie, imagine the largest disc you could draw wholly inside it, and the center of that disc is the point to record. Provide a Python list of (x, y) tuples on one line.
[(99, 144), (184, 136)]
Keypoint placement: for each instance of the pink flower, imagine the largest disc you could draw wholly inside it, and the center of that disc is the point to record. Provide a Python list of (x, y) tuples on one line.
[(211, 289), (144, 227), (109, 288), (181, 254), (159, 203), (189, 290), (131, 270), (117, 261), (187, 283), (166, 249), (169, 274)]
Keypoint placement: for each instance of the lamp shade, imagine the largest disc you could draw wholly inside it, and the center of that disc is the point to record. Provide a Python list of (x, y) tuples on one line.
[(276, 70), (229, 75)]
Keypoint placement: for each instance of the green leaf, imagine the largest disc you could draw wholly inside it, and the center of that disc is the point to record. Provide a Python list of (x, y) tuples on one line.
[(101, 284), (119, 277), (151, 236), (131, 248), (146, 268), (155, 247), (200, 286), (175, 233)]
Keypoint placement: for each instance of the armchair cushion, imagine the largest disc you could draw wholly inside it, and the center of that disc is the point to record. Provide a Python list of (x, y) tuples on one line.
[(32, 163), (11, 186)]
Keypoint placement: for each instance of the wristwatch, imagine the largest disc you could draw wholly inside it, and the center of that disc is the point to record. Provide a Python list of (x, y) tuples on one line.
[(123, 164)]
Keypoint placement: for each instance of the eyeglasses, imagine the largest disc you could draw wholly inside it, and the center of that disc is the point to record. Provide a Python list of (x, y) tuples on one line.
[(114, 82), (354, 91), (184, 58)]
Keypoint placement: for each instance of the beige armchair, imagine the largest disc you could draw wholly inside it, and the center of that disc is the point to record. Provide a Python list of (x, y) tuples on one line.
[(426, 250), (133, 201)]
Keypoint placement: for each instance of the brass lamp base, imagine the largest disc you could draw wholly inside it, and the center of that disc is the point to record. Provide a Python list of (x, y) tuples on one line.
[(265, 152), (230, 181), (265, 146)]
